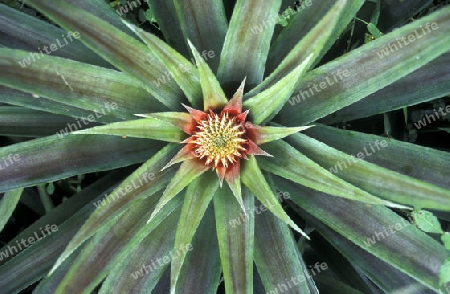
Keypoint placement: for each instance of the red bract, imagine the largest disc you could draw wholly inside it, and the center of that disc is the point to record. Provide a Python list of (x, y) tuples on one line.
[(220, 140)]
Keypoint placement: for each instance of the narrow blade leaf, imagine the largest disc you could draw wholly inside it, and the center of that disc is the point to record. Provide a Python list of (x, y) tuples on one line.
[(269, 134), (23, 31), (150, 128), (266, 104), (376, 180), (181, 69), (396, 158), (300, 169), (378, 230), (169, 24), (250, 30), (121, 50), (253, 178), (197, 198), (188, 171), (429, 82), (235, 232), (386, 60), (307, 50), (205, 24), (103, 91), (270, 233), (213, 95), (146, 180), (204, 257), (7, 205), (46, 159)]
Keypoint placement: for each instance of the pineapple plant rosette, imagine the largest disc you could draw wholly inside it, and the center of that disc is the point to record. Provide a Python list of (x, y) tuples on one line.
[(172, 224)]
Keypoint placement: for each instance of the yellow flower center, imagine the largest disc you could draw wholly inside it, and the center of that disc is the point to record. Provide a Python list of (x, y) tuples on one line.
[(219, 140)]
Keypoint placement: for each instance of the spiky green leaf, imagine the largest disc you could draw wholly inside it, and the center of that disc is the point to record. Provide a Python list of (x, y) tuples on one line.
[(266, 104), (250, 30), (150, 128), (205, 24), (121, 50), (253, 178), (146, 180), (235, 233), (377, 181), (342, 82), (300, 169), (8, 204), (196, 201), (187, 172), (213, 95)]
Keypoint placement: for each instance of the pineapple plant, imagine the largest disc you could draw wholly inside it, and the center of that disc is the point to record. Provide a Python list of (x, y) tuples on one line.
[(210, 152)]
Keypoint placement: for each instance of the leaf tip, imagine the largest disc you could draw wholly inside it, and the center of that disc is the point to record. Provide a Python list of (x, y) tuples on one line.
[(143, 115)]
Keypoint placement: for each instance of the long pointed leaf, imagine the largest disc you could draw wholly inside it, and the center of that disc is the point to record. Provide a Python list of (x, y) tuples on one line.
[(20, 98), (384, 275), (181, 69), (266, 104), (47, 159), (204, 258), (300, 169), (24, 122), (142, 269), (429, 82), (102, 10), (169, 24), (107, 92), (236, 237), (376, 180), (7, 205), (269, 134), (86, 271), (150, 128), (308, 49), (204, 23), (376, 229), (123, 51), (397, 156), (186, 173), (270, 233), (301, 21), (250, 30), (253, 178), (15, 274), (198, 196), (22, 31), (146, 180), (387, 59), (213, 95)]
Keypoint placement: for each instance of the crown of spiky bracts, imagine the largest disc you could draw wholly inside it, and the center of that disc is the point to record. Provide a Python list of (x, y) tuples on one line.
[(220, 140)]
